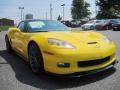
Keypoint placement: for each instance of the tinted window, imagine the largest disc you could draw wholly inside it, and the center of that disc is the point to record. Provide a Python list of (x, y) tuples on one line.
[(91, 22), (21, 26), (98, 21), (46, 25), (116, 21)]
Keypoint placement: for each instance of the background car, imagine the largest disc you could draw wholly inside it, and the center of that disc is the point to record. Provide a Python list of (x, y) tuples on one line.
[(67, 23), (103, 25), (91, 24), (75, 23), (110, 22), (116, 25)]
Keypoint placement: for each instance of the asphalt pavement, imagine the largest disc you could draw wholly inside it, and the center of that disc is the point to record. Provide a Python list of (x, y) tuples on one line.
[(15, 73)]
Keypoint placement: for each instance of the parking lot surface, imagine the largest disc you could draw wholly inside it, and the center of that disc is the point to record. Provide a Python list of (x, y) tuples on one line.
[(15, 73)]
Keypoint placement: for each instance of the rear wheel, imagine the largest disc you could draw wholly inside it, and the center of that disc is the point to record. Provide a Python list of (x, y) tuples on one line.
[(35, 59), (8, 45)]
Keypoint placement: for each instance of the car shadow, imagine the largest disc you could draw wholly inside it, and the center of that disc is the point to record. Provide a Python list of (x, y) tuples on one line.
[(25, 75)]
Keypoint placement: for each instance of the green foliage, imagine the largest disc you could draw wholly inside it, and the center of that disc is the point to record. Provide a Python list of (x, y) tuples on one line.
[(4, 28), (108, 9), (80, 9), (59, 18)]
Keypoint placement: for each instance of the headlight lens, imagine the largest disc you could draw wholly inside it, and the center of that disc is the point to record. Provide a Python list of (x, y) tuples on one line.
[(60, 43)]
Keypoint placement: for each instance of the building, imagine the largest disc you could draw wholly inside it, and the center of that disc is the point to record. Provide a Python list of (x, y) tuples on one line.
[(29, 16), (6, 22)]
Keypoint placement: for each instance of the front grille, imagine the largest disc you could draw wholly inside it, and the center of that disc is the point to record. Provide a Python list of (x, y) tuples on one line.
[(93, 62)]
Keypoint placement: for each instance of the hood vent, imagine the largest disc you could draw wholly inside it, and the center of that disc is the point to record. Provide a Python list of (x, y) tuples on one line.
[(92, 43)]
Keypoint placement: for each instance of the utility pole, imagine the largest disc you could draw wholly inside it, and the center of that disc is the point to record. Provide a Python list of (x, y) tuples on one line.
[(95, 14), (63, 5), (51, 10), (46, 16), (95, 9), (23, 16), (21, 9)]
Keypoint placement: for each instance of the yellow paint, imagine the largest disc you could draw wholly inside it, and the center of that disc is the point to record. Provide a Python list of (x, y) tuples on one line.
[(81, 52)]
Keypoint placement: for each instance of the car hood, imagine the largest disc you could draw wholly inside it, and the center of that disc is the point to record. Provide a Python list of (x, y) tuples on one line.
[(73, 37)]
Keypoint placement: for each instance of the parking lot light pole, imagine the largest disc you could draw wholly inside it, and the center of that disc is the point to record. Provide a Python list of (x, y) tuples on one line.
[(51, 9), (95, 13), (63, 5), (21, 9)]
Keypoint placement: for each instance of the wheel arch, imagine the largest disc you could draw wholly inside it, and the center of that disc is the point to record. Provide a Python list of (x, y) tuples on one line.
[(31, 42), (7, 37), (37, 44)]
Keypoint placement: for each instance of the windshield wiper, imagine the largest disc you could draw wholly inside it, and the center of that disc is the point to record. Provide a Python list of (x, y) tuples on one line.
[(40, 31)]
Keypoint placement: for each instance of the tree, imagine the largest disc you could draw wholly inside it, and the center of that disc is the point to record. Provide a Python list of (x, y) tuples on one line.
[(80, 9), (108, 9), (59, 18)]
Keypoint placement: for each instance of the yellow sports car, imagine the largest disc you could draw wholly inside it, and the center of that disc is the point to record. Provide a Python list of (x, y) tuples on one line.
[(49, 46)]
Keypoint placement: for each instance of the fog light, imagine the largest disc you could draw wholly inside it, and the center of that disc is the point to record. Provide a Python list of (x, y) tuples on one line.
[(64, 65)]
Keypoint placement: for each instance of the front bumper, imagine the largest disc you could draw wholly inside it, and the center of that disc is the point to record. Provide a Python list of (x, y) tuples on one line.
[(117, 28), (51, 65), (85, 73)]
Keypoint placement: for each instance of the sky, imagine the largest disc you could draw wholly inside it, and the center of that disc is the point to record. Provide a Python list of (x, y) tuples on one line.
[(39, 8)]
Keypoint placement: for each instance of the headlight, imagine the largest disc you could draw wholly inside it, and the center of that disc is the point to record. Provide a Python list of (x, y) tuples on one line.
[(60, 43), (106, 39)]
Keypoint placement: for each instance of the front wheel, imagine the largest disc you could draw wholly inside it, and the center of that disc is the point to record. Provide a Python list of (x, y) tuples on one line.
[(35, 59)]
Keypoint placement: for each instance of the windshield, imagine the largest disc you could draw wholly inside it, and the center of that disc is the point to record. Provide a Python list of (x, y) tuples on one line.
[(46, 25), (90, 22), (99, 21), (96, 21)]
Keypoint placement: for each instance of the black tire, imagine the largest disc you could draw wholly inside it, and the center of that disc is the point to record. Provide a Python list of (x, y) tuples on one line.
[(114, 29), (35, 59), (8, 45)]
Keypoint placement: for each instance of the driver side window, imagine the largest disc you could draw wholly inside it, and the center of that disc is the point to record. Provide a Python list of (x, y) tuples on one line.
[(21, 26)]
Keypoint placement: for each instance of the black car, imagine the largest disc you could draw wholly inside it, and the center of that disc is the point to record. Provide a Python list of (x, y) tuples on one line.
[(109, 23), (116, 25)]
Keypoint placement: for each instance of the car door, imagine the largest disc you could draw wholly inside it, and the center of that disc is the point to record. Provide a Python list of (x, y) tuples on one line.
[(17, 35), (22, 38)]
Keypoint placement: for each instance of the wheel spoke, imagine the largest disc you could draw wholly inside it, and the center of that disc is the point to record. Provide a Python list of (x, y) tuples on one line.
[(35, 59)]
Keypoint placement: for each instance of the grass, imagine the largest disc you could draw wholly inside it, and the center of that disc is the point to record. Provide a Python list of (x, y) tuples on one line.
[(4, 28)]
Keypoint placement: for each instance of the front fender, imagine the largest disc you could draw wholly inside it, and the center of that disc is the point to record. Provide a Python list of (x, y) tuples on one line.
[(41, 41)]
